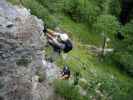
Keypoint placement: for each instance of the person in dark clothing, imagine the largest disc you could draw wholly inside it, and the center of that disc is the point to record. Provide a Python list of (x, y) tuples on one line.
[(59, 41), (65, 74)]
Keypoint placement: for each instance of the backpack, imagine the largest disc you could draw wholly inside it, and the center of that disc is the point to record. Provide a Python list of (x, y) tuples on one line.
[(68, 46)]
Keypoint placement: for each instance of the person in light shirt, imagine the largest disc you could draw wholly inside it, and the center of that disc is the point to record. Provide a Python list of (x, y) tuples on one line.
[(59, 41)]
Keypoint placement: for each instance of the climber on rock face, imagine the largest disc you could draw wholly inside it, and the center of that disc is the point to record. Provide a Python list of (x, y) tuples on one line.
[(65, 73), (59, 41)]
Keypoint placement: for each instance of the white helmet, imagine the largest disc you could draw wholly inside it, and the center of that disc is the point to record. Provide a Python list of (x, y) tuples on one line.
[(63, 37)]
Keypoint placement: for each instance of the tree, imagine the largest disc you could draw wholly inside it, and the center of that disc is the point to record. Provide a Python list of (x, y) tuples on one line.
[(82, 10), (107, 24)]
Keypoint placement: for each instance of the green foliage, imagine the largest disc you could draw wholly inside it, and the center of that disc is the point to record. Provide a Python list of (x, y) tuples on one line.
[(67, 90), (98, 87), (14, 1), (124, 61), (107, 24), (103, 82), (101, 88), (128, 28), (71, 8), (109, 89), (39, 10), (85, 11), (53, 5), (115, 7), (81, 10), (124, 50), (103, 5), (80, 31)]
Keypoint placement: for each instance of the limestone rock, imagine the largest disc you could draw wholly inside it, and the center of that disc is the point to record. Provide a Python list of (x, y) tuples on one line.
[(21, 55)]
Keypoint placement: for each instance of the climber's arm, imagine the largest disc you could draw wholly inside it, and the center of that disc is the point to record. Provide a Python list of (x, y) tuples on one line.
[(52, 33)]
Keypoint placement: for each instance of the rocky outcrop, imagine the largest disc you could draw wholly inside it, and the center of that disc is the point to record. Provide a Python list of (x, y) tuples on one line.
[(21, 47)]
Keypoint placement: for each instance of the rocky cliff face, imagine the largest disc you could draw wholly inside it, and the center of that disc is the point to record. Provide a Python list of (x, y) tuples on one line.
[(21, 57)]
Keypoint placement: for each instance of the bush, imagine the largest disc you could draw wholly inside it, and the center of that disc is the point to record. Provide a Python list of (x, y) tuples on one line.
[(107, 88), (124, 61), (67, 90)]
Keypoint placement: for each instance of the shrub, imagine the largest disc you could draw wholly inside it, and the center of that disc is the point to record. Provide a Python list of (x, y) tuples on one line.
[(107, 88), (67, 90)]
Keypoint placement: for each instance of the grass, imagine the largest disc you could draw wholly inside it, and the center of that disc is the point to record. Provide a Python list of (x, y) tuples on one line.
[(95, 72), (80, 31), (90, 68)]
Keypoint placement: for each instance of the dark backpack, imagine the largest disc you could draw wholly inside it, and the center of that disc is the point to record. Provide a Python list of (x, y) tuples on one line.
[(68, 46)]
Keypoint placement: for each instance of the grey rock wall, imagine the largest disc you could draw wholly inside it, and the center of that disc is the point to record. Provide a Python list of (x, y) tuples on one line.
[(21, 55)]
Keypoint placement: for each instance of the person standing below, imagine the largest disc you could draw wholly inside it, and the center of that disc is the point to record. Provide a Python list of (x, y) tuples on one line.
[(65, 73)]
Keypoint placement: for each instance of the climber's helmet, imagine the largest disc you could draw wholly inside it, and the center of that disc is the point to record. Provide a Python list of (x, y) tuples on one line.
[(63, 37), (66, 67)]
